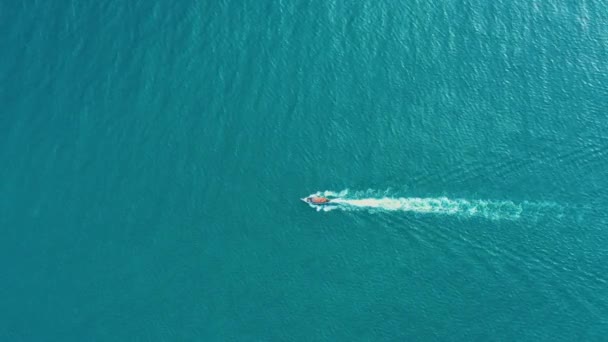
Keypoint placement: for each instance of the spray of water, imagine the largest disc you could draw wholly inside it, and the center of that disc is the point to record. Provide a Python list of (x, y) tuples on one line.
[(374, 201)]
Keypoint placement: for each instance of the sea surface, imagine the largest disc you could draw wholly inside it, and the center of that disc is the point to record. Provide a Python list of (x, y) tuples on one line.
[(153, 155)]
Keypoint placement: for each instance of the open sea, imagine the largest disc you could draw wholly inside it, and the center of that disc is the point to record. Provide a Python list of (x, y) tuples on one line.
[(153, 155)]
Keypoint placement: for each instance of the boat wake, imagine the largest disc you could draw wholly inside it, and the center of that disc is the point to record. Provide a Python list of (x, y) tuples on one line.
[(374, 201)]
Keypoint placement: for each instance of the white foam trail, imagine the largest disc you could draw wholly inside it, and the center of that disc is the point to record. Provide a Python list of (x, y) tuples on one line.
[(441, 205), (490, 209)]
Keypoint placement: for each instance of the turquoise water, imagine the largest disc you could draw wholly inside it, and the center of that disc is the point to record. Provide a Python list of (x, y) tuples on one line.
[(153, 156)]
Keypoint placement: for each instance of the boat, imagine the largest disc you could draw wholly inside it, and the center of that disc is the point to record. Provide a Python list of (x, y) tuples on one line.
[(316, 200)]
